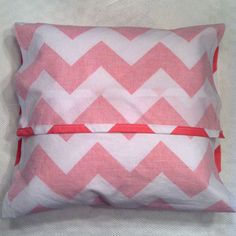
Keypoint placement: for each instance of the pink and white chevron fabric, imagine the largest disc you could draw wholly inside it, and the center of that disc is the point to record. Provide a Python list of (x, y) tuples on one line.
[(118, 116)]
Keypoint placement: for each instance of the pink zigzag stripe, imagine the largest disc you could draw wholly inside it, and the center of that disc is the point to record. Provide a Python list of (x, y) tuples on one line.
[(99, 161), (209, 119), (196, 30), (93, 113), (220, 206), (101, 55), (25, 33), (28, 31), (162, 112), (45, 114)]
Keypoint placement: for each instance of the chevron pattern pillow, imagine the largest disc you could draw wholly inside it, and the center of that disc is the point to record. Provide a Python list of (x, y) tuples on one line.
[(123, 117)]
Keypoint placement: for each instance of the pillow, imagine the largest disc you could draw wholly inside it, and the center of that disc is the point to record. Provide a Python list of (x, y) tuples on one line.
[(118, 116)]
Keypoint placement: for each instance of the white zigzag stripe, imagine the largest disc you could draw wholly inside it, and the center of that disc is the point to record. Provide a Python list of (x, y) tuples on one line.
[(160, 187), (36, 193), (192, 109), (100, 83), (71, 50), (163, 188), (99, 185), (128, 152)]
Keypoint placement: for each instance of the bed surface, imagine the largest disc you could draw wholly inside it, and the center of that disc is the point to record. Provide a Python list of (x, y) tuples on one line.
[(147, 13)]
